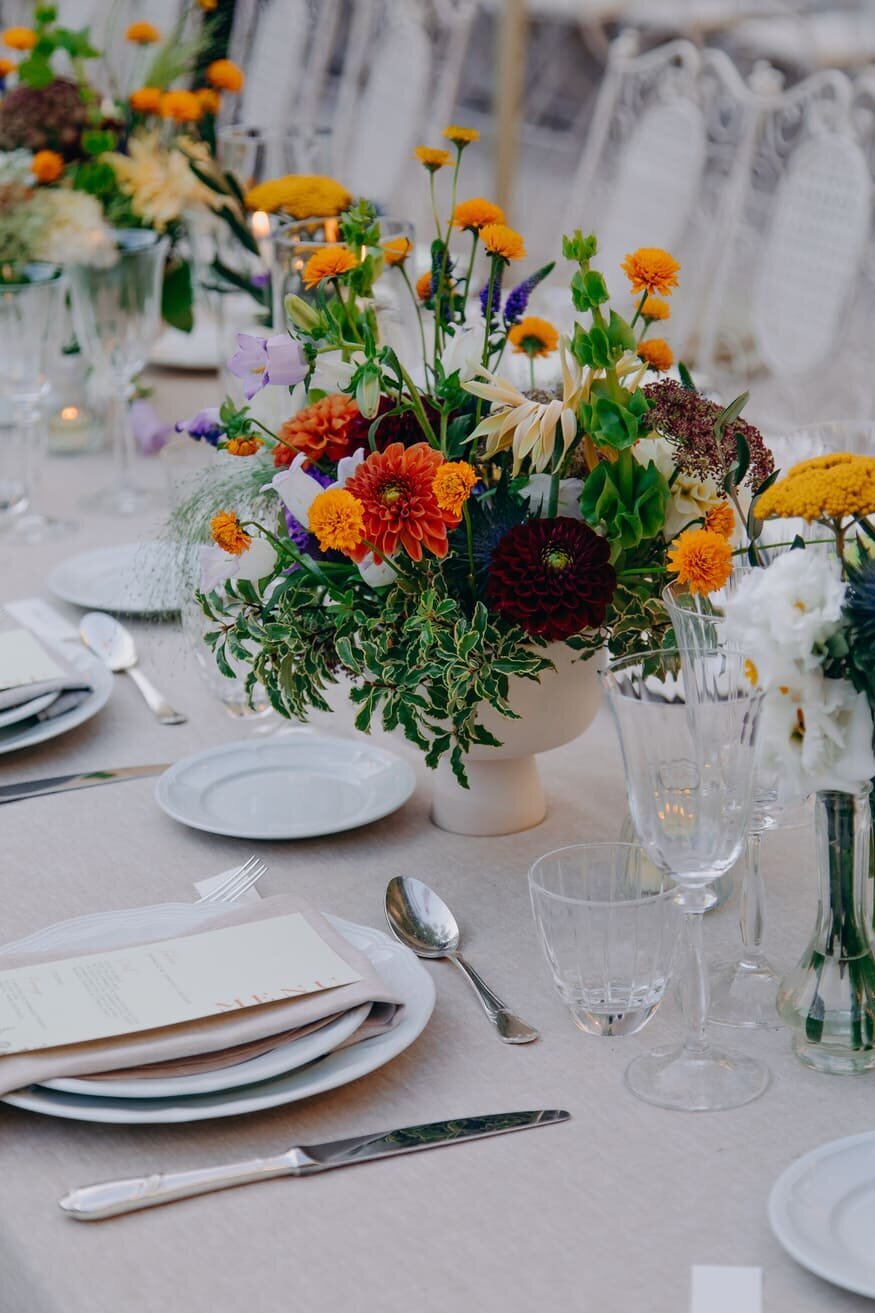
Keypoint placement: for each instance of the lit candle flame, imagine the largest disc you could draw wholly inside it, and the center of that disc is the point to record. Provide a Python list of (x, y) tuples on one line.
[(260, 225), (69, 412), (363, 255)]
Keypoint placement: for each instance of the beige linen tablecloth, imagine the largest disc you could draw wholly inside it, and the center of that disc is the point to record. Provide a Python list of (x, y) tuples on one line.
[(604, 1215)]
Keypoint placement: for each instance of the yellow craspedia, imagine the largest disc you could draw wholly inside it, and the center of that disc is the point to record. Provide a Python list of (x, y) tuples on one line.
[(650, 269), (452, 485), (180, 106), (337, 519), (433, 158), (831, 487), (225, 75), (534, 336), (143, 34), (328, 263), (146, 100), (229, 534), (503, 241), (459, 136), (300, 195), (654, 308), (701, 559), (657, 353), (47, 166)]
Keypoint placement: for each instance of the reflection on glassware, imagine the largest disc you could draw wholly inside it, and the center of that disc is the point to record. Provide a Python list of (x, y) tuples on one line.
[(231, 692), (117, 314), (608, 924), (688, 746), (29, 311), (255, 154)]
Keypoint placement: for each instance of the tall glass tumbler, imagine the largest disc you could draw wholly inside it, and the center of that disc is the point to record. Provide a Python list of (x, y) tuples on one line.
[(117, 316)]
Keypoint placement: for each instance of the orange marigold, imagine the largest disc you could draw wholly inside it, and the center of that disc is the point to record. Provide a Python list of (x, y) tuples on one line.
[(460, 137), (657, 353), (47, 166), (476, 214), (229, 534), (331, 262), (533, 336), (396, 490), (651, 269), (225, 75), (19, 38), (337, 519), (7, 66), (321, 431), (721, 519), (143, 34), (181, 106), (654, 308), (701, 559), (396, 250), (424, 288), (210, 100), (452, 485), (503, 241), (432, 158), (243, 446), (146, 100)]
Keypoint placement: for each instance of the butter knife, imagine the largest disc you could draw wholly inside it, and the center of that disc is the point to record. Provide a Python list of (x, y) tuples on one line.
[(60, 783), (92, 1202)]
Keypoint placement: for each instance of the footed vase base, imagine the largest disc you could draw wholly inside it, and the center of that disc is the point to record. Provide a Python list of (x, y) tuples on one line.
[(503, 797), (844, 1062), (710, 1082)]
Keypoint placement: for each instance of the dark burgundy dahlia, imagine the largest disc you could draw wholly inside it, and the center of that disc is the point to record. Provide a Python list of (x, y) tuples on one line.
[(553, 578)]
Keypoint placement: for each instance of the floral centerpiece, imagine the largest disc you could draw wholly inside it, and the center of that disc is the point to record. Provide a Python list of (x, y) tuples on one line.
[(442, 535)]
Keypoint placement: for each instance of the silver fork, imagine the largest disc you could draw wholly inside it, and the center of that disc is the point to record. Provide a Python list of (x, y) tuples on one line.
[(237, 883)]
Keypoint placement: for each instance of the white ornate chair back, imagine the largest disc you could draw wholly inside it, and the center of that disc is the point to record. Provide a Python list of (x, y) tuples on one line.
[(285, 47)]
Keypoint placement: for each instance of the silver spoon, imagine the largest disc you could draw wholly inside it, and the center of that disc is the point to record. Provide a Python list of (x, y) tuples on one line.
[(115, 646), (421, 920)]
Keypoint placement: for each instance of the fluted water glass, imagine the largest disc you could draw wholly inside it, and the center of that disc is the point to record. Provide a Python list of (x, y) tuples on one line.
[(688, 741)]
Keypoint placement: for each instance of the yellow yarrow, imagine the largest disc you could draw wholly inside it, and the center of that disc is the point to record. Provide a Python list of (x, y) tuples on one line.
[(338, 521), (701, 559), (831, 487), (229, 534), (300, 195), (452, 485)]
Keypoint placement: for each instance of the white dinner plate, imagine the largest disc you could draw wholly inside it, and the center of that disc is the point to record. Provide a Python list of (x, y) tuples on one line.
[(27, 733), (14, 714), (138, 579), (291, 788), (822, 1210), (402, 973)]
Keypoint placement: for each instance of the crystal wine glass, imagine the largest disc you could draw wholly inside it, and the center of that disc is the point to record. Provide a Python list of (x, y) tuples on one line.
[(689, 752), (117, 315)]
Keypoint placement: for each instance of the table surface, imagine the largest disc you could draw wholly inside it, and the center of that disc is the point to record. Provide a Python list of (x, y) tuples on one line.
[(607, 1212)]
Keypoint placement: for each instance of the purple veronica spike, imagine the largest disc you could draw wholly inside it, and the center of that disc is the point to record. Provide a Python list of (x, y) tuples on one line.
[(496, 294), (518, 300), (300, 535)]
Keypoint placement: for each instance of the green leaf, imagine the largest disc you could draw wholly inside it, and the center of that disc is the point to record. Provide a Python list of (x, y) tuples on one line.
[(596, 288), (686, 378), (731, 413), (620, 335), (177, 296)]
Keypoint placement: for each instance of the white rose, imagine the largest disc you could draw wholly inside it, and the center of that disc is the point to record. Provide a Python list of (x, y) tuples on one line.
[(817, 734)]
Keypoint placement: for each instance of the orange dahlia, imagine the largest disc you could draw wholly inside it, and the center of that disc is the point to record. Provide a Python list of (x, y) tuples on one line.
[(701, 559), (476, 213), (146, 100), (650, 269), (321, 431), (657, 353), (501, 240), (396, 490), (229, 534), (328, 263)]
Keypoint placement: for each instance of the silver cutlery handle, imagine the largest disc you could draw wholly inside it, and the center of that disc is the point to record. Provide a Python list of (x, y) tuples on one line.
[(111, 1198), (512, 1029), (155, 701)]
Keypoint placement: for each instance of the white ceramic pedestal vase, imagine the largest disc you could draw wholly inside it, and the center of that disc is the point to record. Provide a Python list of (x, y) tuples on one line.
[(505, 793)]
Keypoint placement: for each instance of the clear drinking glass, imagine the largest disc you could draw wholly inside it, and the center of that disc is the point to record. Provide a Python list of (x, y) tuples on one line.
[(255, 154), (689, 752), (744, 989), (117, 314), (608, 924), (231, 693), (29, 311)]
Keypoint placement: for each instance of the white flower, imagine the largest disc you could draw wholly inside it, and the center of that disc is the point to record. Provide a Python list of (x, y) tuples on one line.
[(817, 734), (15, 168), (537, 493), (782, 615), (217, 566), (691, 498), (75, 231), (463, 352)]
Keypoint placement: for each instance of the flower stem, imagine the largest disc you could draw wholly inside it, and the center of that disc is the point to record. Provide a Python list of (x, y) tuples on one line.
[(416, 403), (470, 271), (469, 534), (493, 268), (637, 313), (418, 309)]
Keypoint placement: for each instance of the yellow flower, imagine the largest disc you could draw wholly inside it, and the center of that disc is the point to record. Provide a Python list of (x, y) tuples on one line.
[(461, 137), (651, 269), (653, 308), (338, 521), (657, 352), (701, 559), (433, 159), (476, 214), (751, 674), (229, 534), (396, 250), (534, 337), (143, 34), (146, 100), (424, 286), (208, 5), (159, 181), (225, 75), (210, 100), (328, 263), (721, 519), (503, 241), (452, 485), (243, 446), (827, 487), (301, 195), (47, 166), (530, 428), (19, 38), (181, 106)]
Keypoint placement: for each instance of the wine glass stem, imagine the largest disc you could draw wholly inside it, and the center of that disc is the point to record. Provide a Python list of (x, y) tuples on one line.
[(124, 434), (753, 904), (29, 425), (695, 993)]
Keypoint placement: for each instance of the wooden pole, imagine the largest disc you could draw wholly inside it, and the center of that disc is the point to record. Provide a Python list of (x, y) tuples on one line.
[(508, 96)]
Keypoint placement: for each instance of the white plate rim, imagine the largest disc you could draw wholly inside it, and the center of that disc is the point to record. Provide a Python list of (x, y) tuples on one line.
[(786, 1233), (102, 684), (339, 1068), (406, 776), (57, 580)]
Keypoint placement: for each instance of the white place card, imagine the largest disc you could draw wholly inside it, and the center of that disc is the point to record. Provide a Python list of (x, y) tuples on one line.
[(151, 985), (727, 1290), (24, 660)]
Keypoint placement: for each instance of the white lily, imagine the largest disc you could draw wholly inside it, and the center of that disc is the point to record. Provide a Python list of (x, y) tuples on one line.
[(217, 567)]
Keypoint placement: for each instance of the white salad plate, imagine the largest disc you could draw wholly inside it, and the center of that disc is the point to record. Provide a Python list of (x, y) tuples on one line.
[(14, 714), (27, 733), (398, 967), (137, 579), (822, 1210), (291, 788)]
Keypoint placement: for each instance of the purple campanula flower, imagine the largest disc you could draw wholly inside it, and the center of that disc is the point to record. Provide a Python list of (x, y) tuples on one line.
[(150, 433), (205, 424), (260, 361)]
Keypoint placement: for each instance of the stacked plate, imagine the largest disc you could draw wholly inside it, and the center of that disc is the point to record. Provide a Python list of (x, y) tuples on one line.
[(20, 727), (295, 1069)]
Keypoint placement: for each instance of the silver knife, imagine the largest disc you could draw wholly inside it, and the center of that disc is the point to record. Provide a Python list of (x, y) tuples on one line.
[(92, 1202), (59, 783)]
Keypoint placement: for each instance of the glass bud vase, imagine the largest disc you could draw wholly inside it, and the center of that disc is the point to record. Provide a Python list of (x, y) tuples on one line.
[(828, 1000)]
